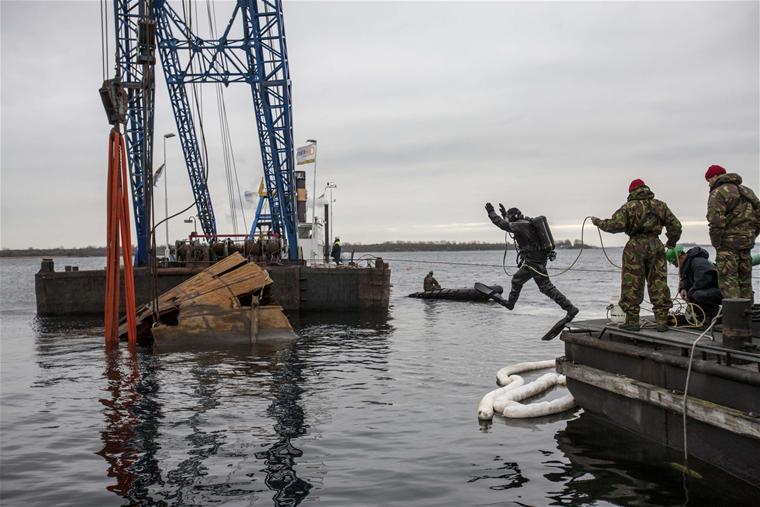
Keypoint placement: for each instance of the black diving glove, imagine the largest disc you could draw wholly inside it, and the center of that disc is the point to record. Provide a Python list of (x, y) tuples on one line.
[(503, 211), (552, 255), (489, 208)]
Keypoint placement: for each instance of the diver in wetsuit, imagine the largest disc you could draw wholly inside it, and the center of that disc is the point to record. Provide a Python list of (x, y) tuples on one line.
[(532, 258)]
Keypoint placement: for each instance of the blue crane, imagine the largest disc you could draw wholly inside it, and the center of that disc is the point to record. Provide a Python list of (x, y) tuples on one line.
[(251, 50)]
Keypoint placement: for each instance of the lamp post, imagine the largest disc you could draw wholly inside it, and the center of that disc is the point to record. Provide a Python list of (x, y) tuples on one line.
[(314, 190), (166, 196), (191, 220), (330, 185)]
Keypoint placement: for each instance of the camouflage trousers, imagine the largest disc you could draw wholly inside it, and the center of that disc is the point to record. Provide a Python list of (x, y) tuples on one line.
[(644, 262), (734, 273)]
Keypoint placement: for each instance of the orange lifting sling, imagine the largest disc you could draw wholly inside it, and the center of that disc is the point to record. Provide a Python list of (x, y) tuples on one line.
[(118, 224)]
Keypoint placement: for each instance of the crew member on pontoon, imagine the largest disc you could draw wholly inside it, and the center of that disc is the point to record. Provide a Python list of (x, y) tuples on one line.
[(698, 281), (733, 216), (642, 218)]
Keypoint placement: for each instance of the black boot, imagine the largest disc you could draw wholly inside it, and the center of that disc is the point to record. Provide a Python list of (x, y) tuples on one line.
[(563, 302), (514, 295)]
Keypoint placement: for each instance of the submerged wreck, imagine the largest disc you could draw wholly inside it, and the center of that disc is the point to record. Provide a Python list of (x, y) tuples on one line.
[(228, 303), (638, 380)]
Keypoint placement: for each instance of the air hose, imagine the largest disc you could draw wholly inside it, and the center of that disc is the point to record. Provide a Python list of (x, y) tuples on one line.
[(577, 258)]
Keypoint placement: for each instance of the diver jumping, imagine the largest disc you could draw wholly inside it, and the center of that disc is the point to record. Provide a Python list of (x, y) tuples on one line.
[(535, 246)]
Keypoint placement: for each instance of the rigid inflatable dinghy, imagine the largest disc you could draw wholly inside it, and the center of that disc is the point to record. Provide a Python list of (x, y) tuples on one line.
[(463, 294)]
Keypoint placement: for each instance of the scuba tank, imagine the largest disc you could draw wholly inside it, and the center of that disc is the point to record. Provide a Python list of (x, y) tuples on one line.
[(545, 238), (533, 234), (756, 259)]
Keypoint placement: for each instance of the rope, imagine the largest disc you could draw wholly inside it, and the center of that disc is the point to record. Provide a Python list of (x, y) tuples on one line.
[(686, 388), (484, 265), (583, 228), (102, 41), (601, 242), (108, 50), (697, 322), (504, 258)]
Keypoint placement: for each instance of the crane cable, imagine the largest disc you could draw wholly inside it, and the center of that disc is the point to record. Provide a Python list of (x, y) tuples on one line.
[(102, 41), (197, 102), (205, 173), (228, 152), (226, 122)]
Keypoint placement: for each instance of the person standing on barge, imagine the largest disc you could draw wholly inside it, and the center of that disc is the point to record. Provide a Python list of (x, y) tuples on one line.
[(733, 216), (642, 218)]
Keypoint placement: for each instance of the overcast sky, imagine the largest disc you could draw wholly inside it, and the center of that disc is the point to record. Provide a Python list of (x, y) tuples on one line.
[(423, 112)]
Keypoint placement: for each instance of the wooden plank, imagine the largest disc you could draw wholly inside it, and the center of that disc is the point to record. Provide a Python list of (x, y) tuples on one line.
[(720, 416)]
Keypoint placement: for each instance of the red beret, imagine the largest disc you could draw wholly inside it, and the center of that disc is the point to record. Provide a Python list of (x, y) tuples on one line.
[(636, 184), (714, 170)]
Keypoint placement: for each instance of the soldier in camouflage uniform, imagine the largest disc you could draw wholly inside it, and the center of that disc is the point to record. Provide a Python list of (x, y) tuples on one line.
[(430, 283), (642, 219), (733, 216)]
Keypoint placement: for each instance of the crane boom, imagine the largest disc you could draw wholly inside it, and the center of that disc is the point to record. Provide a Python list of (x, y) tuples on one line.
[(258, 58), (134, 70)]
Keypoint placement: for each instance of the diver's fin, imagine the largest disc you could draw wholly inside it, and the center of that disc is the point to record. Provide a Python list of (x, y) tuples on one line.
[(556, 328), (490, 292)]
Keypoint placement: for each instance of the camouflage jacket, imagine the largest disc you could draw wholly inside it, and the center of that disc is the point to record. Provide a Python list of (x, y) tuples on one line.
[(430, 283), (643, 215), (733, 213)]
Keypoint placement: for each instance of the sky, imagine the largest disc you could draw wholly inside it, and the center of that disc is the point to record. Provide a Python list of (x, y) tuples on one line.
[(423, 111)]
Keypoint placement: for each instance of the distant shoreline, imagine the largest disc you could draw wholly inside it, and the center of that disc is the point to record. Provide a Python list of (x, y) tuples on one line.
[(388, 246), (442, 246), (90, 251)]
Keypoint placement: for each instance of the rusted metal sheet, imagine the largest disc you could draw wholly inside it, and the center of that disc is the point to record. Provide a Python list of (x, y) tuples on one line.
[(227, 303)]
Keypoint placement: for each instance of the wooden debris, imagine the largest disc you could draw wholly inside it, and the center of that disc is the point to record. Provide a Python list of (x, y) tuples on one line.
[(227, 303)]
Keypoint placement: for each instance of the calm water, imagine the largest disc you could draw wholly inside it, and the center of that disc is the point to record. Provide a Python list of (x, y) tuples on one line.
[(373, 410)]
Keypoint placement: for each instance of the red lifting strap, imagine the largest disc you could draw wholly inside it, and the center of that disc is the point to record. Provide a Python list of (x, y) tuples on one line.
[(118, 229)]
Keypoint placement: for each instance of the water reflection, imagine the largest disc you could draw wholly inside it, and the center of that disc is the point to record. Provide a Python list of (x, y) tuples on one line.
[(504, 474), (432, 310), (378, 321), (280, 457), (165, 438), (132, 416), (59, 326), (612, 464), (131, 423), (121, 421)]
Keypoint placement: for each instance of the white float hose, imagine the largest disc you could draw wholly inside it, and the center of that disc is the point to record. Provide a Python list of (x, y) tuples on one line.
[(502, 376), (485, 407), (506, 400)]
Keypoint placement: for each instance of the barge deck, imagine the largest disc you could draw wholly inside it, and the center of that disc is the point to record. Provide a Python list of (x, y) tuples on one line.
[(636, 380), (296, 288)]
